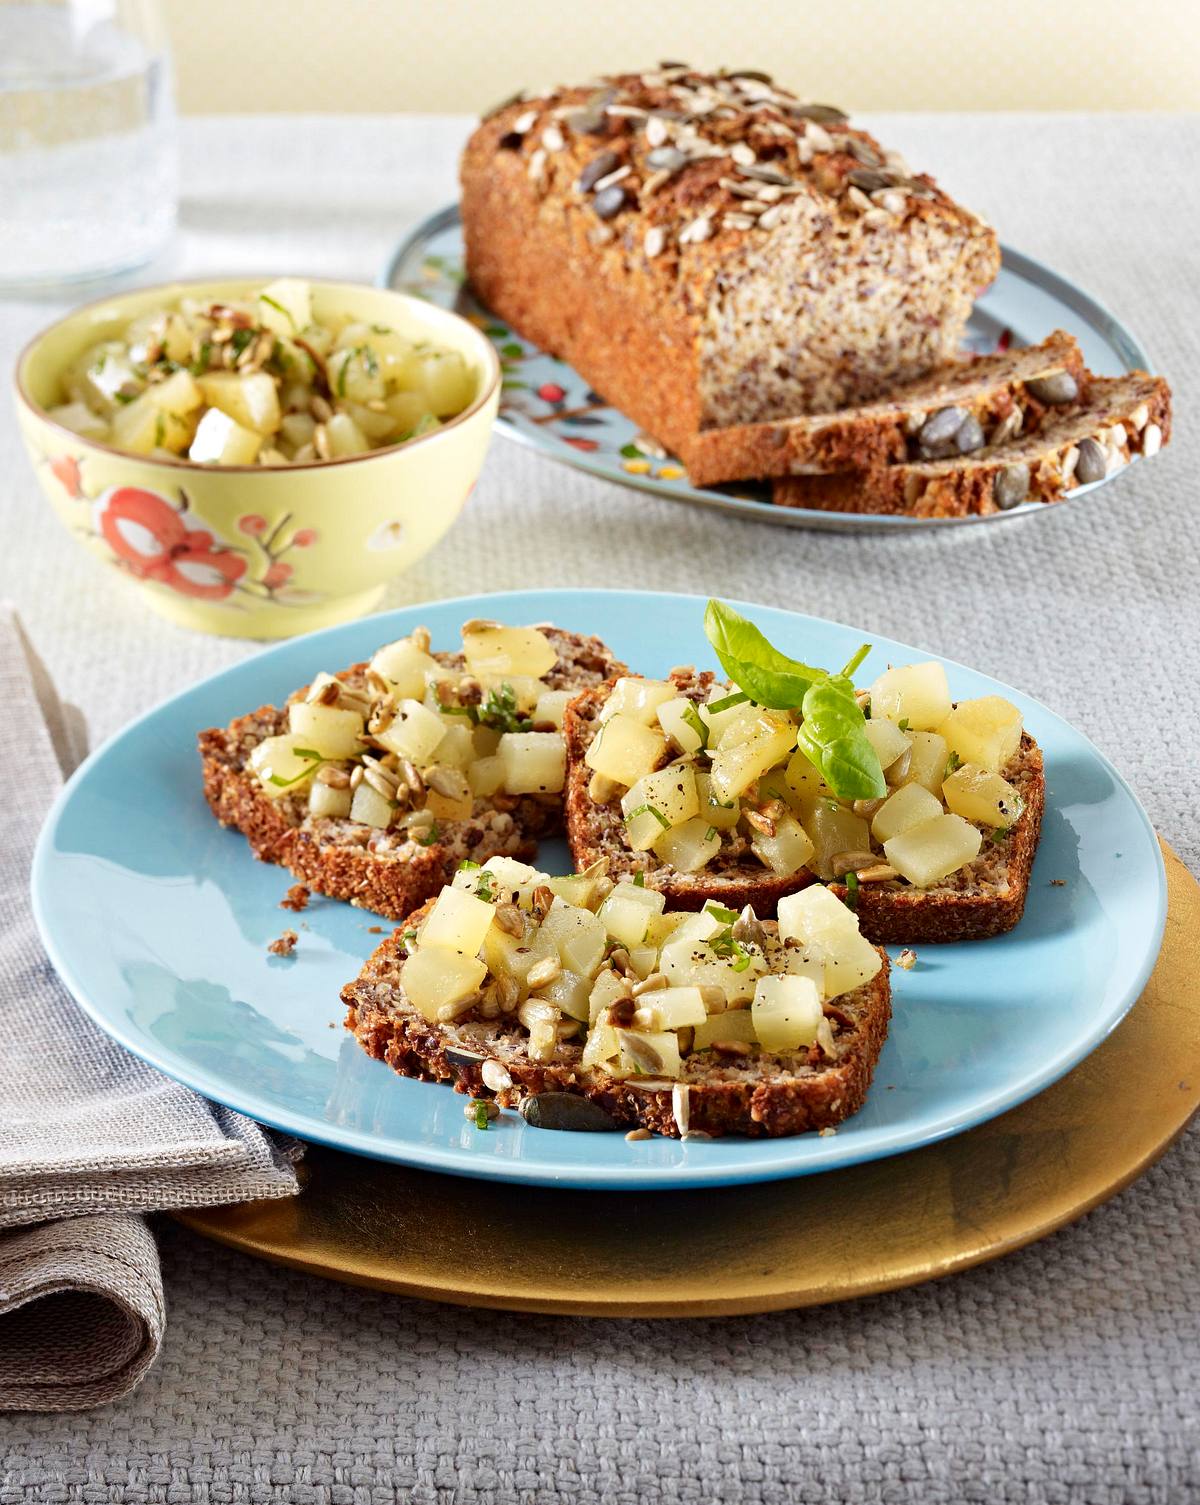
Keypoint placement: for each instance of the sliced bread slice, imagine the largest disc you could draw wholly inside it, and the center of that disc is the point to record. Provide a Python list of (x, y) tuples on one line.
[(389, 870), (1122, 417), (733, 1086), (955, 410)]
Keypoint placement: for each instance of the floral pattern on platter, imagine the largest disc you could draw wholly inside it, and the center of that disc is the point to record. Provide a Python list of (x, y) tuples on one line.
[(544, 401), (154, 538)]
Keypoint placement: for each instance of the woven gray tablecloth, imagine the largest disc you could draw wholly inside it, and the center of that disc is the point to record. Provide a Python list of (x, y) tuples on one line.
[(1064, 1373)]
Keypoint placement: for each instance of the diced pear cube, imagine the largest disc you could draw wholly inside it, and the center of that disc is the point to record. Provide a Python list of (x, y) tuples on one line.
[(405, 667), (218, 440), (534, 762), (345, 437), (786, 1012), (803, 778), (650, 1052), (644, 959), (250, 400), (179, 394), (447, 381), (328, 730), (579, 889), (737, 1024), (285, 306), (657, 802), (486, 776), (927, 761), (724, 814), (551, 707), (689, 847), (514, 956), (916, 693), (457, 747), (817, 916), (986, 731), (369, 808), (909, 806), (720, 722), (80, 419), (496, 650), (927, 853), (579, 936), (978, 795), (602, 1048), (143, 426), (674, 1008), (680, 719), (625, 750), (433, 978), (627, 911), (458, 920), (887, 739), (832, 828), (414, 734), (328, 802), (280, 768), (688, 961), (767, 741), (639, 698), (569, 991), (787, 851), (606, 989)]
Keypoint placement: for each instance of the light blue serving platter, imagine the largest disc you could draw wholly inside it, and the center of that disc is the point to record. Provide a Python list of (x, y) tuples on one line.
[(158, 921), (547, 405)]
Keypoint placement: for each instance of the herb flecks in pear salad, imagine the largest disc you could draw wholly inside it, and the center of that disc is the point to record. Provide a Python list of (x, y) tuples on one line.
[(281, 377), (411, 744), (633, 991), (893, 784)]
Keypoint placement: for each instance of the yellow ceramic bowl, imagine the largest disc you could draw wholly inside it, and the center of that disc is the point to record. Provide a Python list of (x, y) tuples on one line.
[(249, 551)]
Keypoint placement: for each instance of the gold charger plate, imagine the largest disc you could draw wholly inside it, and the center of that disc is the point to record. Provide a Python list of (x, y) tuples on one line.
[(771, 1246)]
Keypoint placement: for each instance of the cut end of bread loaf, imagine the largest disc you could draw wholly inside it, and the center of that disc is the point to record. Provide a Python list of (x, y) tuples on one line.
[(1122, 418), (760, 1096), (386, 872)]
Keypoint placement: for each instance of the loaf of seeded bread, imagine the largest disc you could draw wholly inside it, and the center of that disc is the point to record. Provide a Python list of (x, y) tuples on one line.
[(957, 409), (1070, 446), (761, 1095), (388, 872), (707, 250)]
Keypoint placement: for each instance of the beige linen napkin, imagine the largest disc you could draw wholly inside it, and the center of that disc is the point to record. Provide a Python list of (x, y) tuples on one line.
[(90, 1137)]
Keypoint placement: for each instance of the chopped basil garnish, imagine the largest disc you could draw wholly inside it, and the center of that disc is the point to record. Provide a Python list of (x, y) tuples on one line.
[(697, 723), (740, 698), (501, 712), (278, 307), (903, 723), (639, 879), (483, 889), (429, 837), (833, 728), (481, 1116), (649, 810), (852, 891), (953, 762), (240, 339), (719, 912), (710, 833)]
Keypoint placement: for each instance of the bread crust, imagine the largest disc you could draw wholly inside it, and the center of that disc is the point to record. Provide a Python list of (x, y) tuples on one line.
[(818, 1096), (969, 487), (991, 388), (389, 883), (645, 303)]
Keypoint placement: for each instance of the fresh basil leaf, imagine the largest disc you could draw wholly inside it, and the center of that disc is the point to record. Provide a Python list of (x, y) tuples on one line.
[(833, 738), (769, 677)]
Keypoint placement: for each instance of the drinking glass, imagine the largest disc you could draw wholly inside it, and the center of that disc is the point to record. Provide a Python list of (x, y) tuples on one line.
[(88, 164)]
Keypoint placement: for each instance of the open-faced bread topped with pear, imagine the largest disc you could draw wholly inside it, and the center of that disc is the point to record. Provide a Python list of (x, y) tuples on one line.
[(596, 1005), (371, 784), (922, 812)]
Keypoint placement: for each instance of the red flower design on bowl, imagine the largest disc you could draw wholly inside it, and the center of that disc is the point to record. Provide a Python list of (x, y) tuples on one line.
[(151, 539)]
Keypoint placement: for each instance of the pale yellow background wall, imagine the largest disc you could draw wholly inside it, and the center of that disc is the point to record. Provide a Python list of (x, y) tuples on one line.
[(462, 55)]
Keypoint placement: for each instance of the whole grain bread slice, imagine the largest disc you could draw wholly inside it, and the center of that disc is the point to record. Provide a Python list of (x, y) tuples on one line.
[(996, 396), (1122, 417), (386, 872), (984, 898), (761, 1096), (734, 878)]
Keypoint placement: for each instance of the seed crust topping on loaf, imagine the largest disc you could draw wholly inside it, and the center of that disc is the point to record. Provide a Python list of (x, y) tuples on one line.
[(691, 243)]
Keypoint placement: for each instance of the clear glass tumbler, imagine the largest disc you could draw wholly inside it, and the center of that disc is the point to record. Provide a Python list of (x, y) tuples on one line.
[(88, 159)]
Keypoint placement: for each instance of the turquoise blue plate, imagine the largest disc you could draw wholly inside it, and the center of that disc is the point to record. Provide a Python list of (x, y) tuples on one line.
[(158, 921), (546, 404)]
